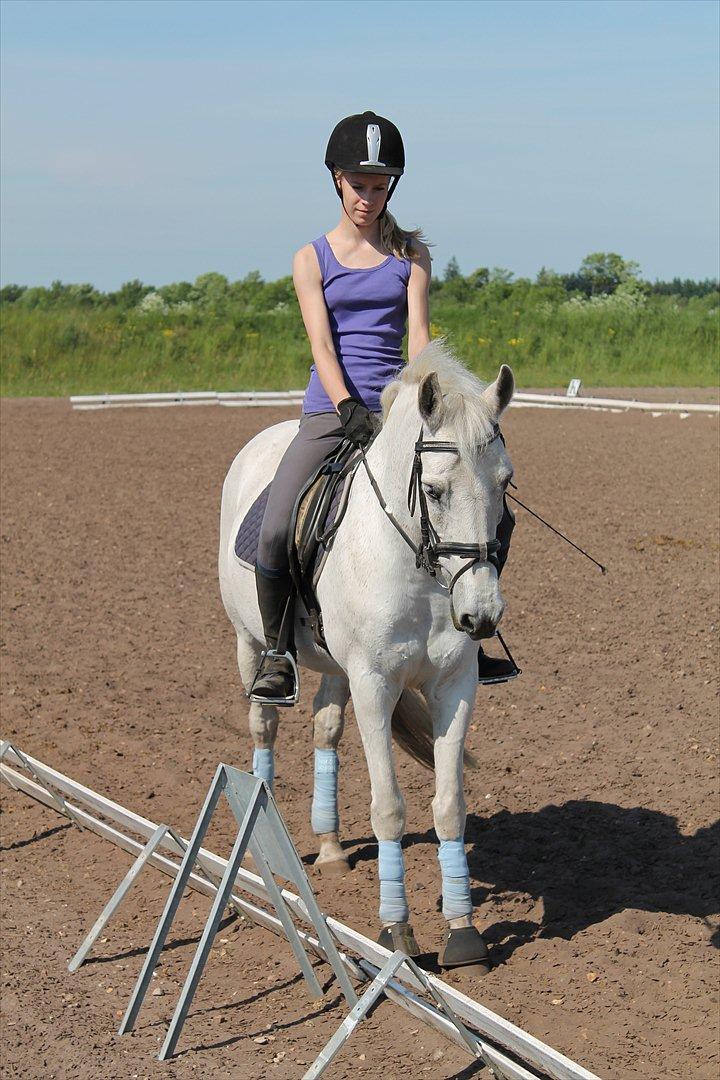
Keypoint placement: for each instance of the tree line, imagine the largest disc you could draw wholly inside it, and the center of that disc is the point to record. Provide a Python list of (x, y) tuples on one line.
[(600, 274)]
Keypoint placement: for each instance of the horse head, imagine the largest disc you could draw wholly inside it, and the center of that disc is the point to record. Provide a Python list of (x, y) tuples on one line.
[(462, 470)]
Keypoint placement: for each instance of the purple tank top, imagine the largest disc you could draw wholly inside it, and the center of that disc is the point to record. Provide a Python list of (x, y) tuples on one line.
[(367, 311)]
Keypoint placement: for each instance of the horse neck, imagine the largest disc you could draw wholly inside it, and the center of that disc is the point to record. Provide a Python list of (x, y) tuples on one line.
[(390, 459)]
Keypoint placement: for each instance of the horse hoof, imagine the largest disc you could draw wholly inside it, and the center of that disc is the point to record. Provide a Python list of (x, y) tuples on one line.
[(333, 868), (399, 936), (465, 948)]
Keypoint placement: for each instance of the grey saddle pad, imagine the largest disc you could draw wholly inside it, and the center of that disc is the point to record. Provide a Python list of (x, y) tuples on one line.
[(248, 535)]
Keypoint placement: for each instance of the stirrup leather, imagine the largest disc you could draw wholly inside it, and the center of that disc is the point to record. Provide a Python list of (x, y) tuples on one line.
[(285, 701)]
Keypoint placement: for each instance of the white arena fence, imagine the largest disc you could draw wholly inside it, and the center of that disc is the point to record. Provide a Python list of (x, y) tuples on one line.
[(278, 398), (510, 1052)]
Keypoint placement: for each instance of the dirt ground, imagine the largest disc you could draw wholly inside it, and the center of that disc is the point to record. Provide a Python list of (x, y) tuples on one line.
[(592, 828)]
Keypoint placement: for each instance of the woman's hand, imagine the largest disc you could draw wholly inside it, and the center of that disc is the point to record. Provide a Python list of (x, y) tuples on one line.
[(357, 421)]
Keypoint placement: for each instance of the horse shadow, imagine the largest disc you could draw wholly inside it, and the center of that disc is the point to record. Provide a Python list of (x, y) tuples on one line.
[(588, 861)]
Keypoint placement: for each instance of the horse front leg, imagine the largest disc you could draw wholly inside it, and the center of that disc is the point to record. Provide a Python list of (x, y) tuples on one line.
[(451, 708), (374, 701), (328, 721)]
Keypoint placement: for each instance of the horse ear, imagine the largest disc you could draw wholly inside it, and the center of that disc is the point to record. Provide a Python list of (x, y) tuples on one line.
[(499, 393), (430, 399)]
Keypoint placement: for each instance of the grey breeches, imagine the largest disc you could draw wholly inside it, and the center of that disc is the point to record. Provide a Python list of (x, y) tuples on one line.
[(302, 458)]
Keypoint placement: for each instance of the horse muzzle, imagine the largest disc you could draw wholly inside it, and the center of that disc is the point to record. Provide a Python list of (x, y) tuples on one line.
[(476, 627)]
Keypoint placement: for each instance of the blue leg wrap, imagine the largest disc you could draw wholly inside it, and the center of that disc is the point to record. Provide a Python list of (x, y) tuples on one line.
[(393, 902), (324, 817), (455, 879), (264, 766)]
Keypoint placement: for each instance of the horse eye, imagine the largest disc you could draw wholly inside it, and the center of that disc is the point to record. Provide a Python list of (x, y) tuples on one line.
[(432, 493)]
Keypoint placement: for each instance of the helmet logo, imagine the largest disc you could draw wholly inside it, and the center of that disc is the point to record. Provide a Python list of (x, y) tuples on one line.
[(373, 144)]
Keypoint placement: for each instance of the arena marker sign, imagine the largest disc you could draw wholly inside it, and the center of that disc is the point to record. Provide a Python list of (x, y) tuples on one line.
[(510, 1052)]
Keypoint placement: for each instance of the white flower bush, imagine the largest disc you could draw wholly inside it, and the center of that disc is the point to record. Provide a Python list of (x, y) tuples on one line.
[(156, 304), (628, 296), (153, 303), (616, 301)]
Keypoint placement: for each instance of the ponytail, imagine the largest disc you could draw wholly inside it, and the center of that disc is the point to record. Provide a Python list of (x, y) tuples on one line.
[(399, 242)]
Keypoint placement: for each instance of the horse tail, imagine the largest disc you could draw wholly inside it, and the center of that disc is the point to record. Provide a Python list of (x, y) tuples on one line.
[(412, 730)]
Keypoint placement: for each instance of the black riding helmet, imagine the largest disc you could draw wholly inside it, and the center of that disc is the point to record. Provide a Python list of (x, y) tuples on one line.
[(366, 143)]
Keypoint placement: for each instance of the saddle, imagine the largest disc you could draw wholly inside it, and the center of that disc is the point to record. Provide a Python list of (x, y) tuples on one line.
[(316, 517), (318, 512)]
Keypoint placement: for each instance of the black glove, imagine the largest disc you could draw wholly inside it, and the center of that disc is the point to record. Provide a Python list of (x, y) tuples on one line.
[(357, 422)]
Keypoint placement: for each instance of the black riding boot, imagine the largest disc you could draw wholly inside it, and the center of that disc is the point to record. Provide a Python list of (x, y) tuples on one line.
[(276, 680), (491, 669)]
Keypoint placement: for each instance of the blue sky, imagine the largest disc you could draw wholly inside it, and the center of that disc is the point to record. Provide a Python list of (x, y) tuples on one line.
[(160, 140)]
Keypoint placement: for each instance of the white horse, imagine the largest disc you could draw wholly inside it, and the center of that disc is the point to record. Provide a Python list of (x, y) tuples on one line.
[(399, 643)]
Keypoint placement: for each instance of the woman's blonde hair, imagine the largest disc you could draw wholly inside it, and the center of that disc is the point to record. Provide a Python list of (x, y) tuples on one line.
[(398, 241)]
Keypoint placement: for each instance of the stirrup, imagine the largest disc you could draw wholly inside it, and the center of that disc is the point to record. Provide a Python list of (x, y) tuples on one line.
[(282, 702), (507, 676)]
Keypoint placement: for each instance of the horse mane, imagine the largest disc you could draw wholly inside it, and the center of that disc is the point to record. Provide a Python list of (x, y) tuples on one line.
[(464, 406)]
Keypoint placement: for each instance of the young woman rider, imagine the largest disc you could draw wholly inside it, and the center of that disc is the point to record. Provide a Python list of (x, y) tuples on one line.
[(357, 287)]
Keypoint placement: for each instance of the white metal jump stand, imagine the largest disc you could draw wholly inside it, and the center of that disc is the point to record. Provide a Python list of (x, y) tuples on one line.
[(366, 1002), (510, 1052), (118, 896), (263, 832), (55, 796)]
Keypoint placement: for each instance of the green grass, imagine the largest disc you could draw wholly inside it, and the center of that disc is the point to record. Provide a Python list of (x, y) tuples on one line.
[(664, 342), (67, 349)]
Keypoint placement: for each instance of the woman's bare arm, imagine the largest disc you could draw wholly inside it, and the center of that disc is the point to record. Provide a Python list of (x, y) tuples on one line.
[(308, 286), (418, 302)]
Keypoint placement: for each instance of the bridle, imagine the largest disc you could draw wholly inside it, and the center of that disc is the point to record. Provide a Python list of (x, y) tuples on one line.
[(431, 548)]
